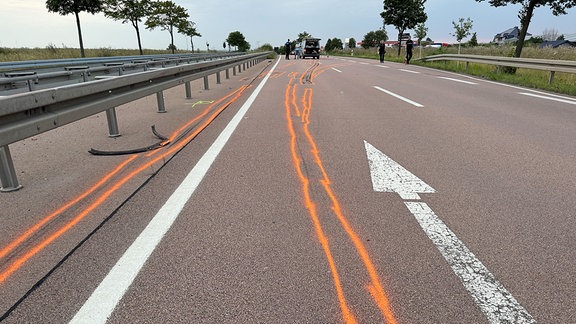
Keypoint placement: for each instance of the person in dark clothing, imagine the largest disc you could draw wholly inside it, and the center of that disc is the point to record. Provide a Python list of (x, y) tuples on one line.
[(287, 49), (382, 51), (409, 46)]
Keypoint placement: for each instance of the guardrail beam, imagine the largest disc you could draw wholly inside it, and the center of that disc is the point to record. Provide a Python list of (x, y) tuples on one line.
[(31, 114)]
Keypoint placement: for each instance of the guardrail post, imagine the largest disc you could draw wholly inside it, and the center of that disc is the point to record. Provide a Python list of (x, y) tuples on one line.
[(188, 90), (551, 79), (7, 172), (160, 99), (234, 70), (218, 77), (206, 86), (227, 74), (112, 123)]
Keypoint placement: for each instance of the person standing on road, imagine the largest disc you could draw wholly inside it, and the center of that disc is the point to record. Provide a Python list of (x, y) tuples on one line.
[(287, 49), (382, 50), (297, 52), (409, 46)]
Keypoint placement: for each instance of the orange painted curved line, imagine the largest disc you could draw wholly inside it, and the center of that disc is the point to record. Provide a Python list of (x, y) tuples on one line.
[(310, 206), (12, 245), (306, 106), (19, 262), (375, 288)]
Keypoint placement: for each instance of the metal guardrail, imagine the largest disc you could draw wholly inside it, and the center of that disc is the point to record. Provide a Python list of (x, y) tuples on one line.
[(17, 77), (537, 64), (28, 114)]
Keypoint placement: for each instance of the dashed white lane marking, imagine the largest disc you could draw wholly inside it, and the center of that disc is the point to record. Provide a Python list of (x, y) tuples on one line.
[(457, 80), (410, 71), (494, 300), (104, 299), (571, 102), (335, 69), (413, 103)]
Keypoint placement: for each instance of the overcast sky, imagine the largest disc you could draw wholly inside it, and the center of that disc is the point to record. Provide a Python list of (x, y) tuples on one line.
[(27, 23)]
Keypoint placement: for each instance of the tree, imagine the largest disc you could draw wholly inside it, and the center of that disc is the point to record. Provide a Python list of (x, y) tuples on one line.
[(462, 30), (328, 46), (420, 31), (473, 40), (237, 39), (301, 36), (404, 15), (189, 30), (550, 34), (132, 11), (333, 44), (558, 8), (373, 38), (352, 43), (66, 7), (167, 15)]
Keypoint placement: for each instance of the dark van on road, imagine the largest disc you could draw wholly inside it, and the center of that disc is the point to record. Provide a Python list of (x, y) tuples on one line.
[(310, 48)]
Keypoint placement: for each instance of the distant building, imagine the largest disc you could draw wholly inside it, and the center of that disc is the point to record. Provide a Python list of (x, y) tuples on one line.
[(510, 35), (558, 43), (570, 37)]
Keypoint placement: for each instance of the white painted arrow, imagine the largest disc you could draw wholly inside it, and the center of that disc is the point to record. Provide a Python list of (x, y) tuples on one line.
[(494, 300), (389, 176)]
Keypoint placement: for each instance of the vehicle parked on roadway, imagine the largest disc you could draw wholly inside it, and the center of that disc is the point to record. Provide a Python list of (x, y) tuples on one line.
[(310, 48)]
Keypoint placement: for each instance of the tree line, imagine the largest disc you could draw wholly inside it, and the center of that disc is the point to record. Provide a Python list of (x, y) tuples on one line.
[(165, 15), (410, 14)]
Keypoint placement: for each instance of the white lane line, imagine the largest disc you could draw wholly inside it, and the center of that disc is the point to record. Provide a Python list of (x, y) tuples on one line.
[(568, 101), (494, 300), (409, 71), (382, 66), (104, 299), (335, 69), (457, 80), (399, 97)]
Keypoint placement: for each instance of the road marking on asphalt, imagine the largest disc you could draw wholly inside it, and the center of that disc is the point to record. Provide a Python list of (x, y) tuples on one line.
[(457, 80), (389, 176), (399, 97), (382, 66), (202, 102), (410, 71), (105, 298), (335, 69), (494, 300), (568, 101), (497, 304)]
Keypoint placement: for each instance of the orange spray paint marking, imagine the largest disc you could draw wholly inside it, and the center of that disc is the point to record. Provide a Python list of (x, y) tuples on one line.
[(375, 288), (19, 262), (310, 206), (60, 210)]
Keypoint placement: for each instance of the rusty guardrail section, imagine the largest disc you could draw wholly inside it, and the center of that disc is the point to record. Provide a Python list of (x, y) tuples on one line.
[(28, 114), (537, 64)]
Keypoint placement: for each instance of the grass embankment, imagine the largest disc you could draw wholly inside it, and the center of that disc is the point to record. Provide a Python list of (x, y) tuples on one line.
[(564, 83), (52, 53)]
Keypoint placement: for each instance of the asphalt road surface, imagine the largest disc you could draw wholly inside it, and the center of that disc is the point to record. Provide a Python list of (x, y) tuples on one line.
[(337, 190)]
